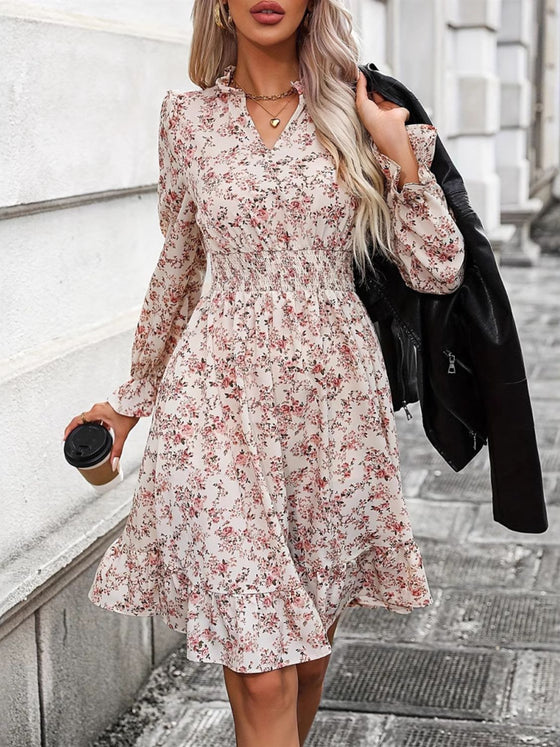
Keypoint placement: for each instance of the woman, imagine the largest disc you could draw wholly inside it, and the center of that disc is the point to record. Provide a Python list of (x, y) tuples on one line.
[(269, 496)]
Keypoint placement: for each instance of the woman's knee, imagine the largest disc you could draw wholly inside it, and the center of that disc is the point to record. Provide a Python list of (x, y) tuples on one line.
[(276, 688), (311, 674)]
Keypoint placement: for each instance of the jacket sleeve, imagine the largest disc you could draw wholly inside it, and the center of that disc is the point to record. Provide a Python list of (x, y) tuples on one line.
[(176, 282), (428, 245)]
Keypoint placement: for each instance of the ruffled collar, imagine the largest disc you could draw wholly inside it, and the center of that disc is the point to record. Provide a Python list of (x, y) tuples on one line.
[(222, 82)]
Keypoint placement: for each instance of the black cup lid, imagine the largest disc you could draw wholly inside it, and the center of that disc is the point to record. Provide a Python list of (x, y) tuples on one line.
[(87, 445)]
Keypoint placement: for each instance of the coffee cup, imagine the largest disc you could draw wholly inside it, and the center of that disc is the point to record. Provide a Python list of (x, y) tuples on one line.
[(88, 448)]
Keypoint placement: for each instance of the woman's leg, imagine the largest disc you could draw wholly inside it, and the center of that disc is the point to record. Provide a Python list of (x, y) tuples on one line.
[(310, 688), (264, 707)]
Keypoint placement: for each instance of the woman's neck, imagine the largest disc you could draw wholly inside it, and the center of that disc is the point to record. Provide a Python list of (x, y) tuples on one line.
[(265, 73)]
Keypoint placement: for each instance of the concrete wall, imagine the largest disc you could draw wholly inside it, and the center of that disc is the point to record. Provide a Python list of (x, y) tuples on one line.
[(372, 25), (83, 102), (488, 73), (80, 236), (68, 667)]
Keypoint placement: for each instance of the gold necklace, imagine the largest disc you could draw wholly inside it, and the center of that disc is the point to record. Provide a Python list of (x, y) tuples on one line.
[(274, 120)]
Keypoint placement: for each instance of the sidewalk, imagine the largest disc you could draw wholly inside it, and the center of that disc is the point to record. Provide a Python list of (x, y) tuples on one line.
[(478, 668)]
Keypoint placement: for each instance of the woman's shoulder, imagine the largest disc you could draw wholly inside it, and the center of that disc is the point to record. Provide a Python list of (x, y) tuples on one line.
[(192, 100), (176, 97), (187, 104)]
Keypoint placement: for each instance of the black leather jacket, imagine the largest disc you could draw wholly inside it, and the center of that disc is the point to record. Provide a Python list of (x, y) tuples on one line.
[(459, 353)]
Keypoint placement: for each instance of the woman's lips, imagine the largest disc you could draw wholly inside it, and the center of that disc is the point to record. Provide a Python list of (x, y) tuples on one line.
[(268, 19), (267, 12)]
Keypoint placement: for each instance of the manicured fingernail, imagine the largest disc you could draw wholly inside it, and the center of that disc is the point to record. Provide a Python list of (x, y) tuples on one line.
[(115, 464)]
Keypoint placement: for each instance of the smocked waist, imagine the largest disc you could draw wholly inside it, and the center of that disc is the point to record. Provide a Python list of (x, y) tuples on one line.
[(284, 269)]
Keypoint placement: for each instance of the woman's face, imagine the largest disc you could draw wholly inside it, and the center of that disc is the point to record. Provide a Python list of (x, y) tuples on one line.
[(267, 28)]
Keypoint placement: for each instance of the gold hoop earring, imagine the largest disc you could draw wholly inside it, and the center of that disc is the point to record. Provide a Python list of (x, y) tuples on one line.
[(218, 16), (306, 19)]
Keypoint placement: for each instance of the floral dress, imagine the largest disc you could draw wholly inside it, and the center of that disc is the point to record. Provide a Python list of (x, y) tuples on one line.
[(269, 496)]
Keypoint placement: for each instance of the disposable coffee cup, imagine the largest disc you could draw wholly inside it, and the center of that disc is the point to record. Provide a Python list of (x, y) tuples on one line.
[(88, 448)]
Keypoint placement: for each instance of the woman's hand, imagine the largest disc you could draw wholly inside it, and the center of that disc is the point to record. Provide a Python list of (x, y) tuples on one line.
[(386, 123), (103, 413), (380, 117)]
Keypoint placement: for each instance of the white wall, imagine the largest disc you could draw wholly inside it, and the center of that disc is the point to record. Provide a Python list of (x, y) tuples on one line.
[(81, 93)]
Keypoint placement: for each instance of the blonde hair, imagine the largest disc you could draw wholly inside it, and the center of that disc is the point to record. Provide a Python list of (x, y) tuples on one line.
[(328, 59)]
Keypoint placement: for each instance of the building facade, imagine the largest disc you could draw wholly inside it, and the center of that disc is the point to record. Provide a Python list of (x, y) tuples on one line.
[(487, 74), (80, 237)]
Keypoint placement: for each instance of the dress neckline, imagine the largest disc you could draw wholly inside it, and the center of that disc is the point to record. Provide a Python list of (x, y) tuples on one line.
[(223, 85), (223, 82)]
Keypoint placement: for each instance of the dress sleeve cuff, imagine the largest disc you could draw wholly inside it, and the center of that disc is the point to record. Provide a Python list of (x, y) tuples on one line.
[(423, 139), (135, 398)]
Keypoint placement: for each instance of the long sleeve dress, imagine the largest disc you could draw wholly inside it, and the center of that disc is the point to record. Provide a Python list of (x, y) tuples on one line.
[(269, 495)]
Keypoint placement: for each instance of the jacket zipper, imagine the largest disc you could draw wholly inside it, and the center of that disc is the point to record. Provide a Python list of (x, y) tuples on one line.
[(402, 376), (451, 368), (454, 362)]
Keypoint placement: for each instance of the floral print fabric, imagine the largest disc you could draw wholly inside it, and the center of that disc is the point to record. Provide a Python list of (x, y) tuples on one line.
[(269, 496)]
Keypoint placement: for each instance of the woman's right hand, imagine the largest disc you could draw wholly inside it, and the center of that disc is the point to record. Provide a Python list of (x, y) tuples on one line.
[(103, 412)]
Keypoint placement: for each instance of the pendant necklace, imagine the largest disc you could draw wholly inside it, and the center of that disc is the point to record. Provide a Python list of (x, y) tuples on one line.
[(274, 120)]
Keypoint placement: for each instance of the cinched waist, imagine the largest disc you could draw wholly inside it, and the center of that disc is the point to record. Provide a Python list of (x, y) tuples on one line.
[(283, 270)]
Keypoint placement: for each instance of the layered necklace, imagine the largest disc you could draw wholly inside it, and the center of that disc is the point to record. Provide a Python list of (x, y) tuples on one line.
[(274, 118)]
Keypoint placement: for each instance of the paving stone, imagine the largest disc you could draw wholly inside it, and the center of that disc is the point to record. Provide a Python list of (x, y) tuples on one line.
[(440, 520), (165, 640), (548, 577), (548, 435), (383, 625), (198, 726), (485, 529), (538, 322), (552, 492), (412, 481), (550, 460), (414, 680), (332, 729), (488, 618), (442, 733), (546, 411), (534, 696), (534, 287), (199, 680), (418, 453), (174, 687), (212, 726), (460, 486), (542, 389), (549, 371), (537, 349), (472, 565)]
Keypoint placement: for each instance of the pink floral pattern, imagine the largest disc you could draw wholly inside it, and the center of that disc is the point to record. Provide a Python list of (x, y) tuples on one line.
[(428, 244), (269, 496)]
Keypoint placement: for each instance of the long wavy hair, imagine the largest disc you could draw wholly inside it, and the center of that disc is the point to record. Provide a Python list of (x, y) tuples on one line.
[(328, 59)]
